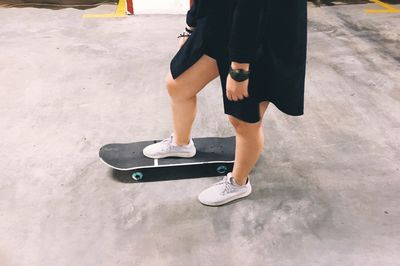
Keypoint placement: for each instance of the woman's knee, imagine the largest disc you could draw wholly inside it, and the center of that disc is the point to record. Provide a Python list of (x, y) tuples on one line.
[(177, 89), (170, 82), (244, 127)]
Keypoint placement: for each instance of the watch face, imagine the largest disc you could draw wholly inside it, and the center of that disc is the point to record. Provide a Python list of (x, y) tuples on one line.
[(238, 76)]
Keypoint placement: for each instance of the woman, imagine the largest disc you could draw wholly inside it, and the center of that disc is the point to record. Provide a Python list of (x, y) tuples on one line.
[(258, 48)]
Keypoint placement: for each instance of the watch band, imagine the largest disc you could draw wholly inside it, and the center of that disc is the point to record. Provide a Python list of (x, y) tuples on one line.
[(239, 74)]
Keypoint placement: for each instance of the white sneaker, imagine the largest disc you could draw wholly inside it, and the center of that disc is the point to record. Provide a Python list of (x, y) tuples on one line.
[(169, 148), (224, 191)]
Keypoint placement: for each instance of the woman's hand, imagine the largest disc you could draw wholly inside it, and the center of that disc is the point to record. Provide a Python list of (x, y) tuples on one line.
[(237, 90), (182, 40)]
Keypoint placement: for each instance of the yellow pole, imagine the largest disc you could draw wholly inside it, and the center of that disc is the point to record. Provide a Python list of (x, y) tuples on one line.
[(120, 12), (387, 8)]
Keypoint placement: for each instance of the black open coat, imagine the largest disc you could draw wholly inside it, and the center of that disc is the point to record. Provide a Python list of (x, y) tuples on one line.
[(271, 35)]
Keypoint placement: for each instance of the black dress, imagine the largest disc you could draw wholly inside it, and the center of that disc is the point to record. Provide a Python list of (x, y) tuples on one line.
[(270, 35)]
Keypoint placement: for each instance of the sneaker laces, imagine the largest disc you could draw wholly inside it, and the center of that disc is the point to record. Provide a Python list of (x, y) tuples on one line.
[(227, 185), (166, 144)]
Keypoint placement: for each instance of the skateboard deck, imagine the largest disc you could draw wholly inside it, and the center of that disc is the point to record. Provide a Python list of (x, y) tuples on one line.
[(214, 157)]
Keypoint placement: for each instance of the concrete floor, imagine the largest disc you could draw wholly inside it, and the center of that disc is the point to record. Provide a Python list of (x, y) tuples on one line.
[(325, 191)]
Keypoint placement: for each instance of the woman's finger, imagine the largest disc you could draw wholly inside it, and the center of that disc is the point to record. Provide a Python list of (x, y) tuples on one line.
[(234, 97), (182, 41), (229, 95)]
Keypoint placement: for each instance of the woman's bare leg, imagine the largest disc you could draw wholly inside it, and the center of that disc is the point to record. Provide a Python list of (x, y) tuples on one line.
[(183, 95), (249, 145)]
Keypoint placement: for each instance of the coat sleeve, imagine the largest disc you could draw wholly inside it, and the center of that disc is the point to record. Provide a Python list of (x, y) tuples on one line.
[(191, 14), (242, 44)]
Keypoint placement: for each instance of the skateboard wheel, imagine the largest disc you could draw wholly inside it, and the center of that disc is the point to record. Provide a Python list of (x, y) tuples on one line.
[(137, 175), (222, 169)]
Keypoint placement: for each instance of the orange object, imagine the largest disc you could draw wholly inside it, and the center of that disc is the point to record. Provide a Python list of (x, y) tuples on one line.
[(129, 7)]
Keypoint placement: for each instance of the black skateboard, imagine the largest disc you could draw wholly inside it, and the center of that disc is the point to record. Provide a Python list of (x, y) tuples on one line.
[(214, 157)]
